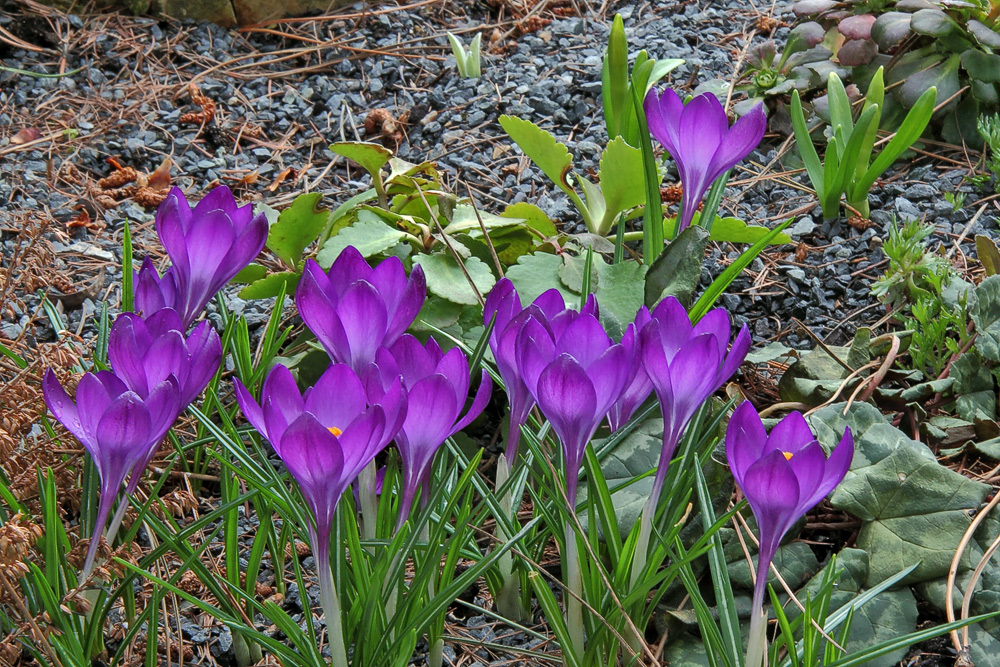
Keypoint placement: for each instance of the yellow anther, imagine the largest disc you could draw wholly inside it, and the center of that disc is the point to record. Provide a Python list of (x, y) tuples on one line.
[(788, 455), (337, 431)]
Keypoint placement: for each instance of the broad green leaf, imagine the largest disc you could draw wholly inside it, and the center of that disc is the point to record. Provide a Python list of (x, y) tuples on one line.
[(250, 273), (620, 294), (913, 508), (988, 253), (677, 270), (840, 105), (536, 273), (437, 313), (975, 391), (815, 377), (985, 313), (932, 22), (890, 29), (533, 217), (446, 279), (621, 180), (369, 234), (795, 561), (983, 67), (511, 243), (297, 226), (551, 156), (572, 270), (372, 157), (270, 286), (732, 230), (464, 220)]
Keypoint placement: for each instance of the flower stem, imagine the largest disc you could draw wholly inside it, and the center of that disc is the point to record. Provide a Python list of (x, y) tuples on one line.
[(574, 584), (329, 600), (103, 510), (757, 642), (369, 502)]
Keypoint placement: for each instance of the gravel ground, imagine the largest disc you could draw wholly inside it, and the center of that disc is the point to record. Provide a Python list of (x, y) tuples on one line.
[(127, 92), (282, 95)]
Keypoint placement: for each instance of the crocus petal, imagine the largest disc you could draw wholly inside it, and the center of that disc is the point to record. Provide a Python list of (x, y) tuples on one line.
[(744, 136), (737, 353), (567, 398), (412, 359), (585, 340), (281, 403), (315, 460), (745, 440), (251, 410), (341, 382), (836, 468), (219, 198), (349, 267), (772, 490), (319, 313), (535, 350), (663, 114), (63, 407), (92, 400), (608, 374), (703, 125), (715, 322), (405, 309), (430, 415), (791, 434), (478, 403)]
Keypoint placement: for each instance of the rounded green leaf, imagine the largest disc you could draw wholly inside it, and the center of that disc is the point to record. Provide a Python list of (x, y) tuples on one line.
[(446, 279)]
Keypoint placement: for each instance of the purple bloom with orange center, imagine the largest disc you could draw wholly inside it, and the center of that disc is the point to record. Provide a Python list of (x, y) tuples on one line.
[(116, 426), (698, 137), (575, 373), (324, 436), (437, 385), (782, 475), (355, 309), (686, 364), (208, 244), (504, 305)]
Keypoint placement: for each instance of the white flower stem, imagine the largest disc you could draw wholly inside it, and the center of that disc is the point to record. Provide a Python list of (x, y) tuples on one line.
[(369, 502), (330, 602), (757, 642), (574, 584)]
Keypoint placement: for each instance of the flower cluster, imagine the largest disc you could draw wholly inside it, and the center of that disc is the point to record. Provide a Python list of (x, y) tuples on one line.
[(564, 361), (158, 365)]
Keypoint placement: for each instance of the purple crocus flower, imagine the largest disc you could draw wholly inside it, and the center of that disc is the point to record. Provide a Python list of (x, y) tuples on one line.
[(144, 351), (325, 436), (354, 309), (698, 137), (116, 426), (575, 374), (154, 292), (686, 365), (782, 475), (504, 305), (437, 385), (207, 245), (638, 386)]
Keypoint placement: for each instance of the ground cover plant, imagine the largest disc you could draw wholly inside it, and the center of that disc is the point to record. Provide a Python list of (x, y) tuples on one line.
[(413, 420)]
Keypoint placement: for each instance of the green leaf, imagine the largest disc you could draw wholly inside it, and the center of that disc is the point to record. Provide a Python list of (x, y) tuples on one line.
[(803, 141), (620, 294), (985, 35), (733, 230), (988, 253), (984, 67), (437, 313), (614, 77), (815, 377), (548, 154), (511, 243), (533, 217), (270, 286), (536, 273), (932, 22), (372, 157), (571, 273), (297, 226), (985, 312), (369, 234), (725, 279), (976, 397), (909, 131), (621, 181), (890, 29), (677, 270), (652, 212), (446, 279), (464, 219), (913, 508), (251, 273), (795, 561)]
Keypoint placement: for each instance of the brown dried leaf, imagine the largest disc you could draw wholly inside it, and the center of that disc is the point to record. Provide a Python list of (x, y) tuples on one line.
[(25, 135), (159, 180)]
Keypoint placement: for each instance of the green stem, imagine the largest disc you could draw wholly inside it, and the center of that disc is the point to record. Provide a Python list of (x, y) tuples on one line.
[(574, 584), (330, 602), (509, 597), (369, 502)]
